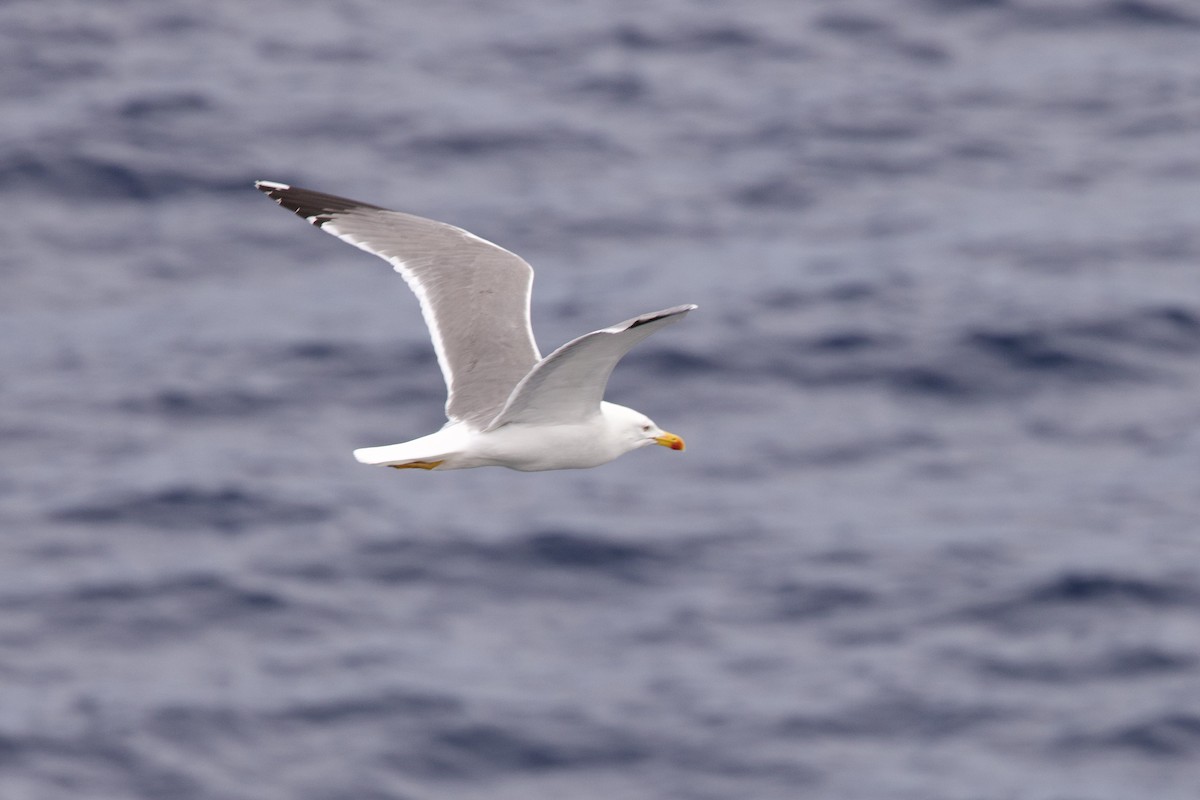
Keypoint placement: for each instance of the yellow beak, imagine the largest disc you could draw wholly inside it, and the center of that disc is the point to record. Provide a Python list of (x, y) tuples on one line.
[(670, 440)]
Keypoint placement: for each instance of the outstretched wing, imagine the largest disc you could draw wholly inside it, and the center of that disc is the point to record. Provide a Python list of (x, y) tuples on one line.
[(568, 385), (474, 295)]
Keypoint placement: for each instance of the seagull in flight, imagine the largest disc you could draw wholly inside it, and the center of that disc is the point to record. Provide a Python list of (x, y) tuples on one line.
[(506, 405)]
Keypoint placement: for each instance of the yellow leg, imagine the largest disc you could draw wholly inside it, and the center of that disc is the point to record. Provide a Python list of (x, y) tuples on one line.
[(418, 465)]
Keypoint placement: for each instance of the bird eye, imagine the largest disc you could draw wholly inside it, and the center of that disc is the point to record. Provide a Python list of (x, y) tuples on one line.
[(645, 429)]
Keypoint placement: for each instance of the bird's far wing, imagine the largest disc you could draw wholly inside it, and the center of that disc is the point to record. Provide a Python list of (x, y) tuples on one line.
[(568, 385), (474, 295)]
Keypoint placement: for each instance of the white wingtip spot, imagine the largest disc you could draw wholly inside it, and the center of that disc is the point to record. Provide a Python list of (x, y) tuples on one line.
[(270, 185)]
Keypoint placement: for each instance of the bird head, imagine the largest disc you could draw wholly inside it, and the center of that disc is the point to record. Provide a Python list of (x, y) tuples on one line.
[(637, 430)]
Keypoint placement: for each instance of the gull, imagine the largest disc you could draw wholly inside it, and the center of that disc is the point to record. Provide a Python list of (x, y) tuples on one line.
[(505, 405)]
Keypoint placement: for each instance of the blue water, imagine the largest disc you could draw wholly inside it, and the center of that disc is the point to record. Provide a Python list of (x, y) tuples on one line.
[(935, 536)]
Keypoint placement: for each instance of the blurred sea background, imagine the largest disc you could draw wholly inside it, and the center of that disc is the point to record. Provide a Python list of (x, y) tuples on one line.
[(935, 536)]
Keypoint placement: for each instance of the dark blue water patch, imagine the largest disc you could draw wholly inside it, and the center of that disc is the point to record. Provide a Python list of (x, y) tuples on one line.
[(408, 560), (932, 382), (937, 382), (150, 106), (192, 586), (844, 342), (882, 36), (871, 132), (852, 25), (364, 382), (720, 763), (67, 31), (1047, 353), (346, 359), (401, 568), (804, 601), (101, 178), (552, 551), (390, 704), (122, 765), (136, 613), (1077, 587), (903, 715), (618, 227), (185, 404), (998, 363), (982, 150), (1171, 735), (486, 143), (1157, 123), (1047, 256), (1171, 246), (24, 433), (690, 40), (565, 550), (786, 300), (787, 193), (774, 134), (1068, 257), (1121, 664), (177, 22), (618, 89), (10, 750), (533, 55), (1169, 328), (843, 556), (197, 728), (316, 371), (356, 787), (323, 350), (839, 358), (982, 365), (366, 124), (874, 166), (921, 52), (154, 780), (1148, 13), (966, 5), (111, 761), (1126, 14), (856, 451), (1042, 604), (308, 572), (476, 750), (68, 758), (791, 300), (334, 54), (330, 360), (184, 508)]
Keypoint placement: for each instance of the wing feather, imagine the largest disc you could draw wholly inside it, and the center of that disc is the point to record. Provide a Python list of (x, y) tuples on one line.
[(568, 385), (474, 295)]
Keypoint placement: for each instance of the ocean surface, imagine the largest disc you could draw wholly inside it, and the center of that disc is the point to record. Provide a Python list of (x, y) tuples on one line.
[(936, 535)]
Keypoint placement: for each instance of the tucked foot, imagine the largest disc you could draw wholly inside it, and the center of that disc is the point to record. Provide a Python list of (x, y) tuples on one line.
[(418, 465)]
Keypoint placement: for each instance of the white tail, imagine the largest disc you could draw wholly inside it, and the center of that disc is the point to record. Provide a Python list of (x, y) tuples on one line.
[(434, 447)]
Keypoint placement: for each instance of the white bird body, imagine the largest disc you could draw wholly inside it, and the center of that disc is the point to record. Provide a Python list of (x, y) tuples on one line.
[(506, 405), (519, 445)]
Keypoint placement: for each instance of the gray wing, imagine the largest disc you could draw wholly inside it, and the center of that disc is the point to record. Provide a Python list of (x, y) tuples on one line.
[(474, 295), (568, 385)]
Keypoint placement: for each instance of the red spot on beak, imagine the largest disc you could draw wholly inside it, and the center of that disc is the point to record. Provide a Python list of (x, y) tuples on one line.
[(670, 440)]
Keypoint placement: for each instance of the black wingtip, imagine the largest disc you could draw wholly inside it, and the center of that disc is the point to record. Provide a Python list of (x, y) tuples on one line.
[(316, 207), (666, 312)]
